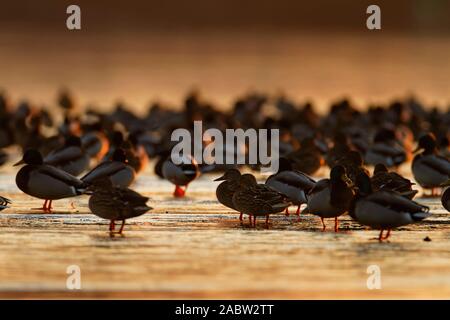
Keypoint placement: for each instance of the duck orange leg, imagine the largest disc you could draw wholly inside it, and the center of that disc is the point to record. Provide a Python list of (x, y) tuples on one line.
[(324, 227), (336, 225), (240, 217), (121, 227), (298, 212), (179, 192), (254, 222), (267, 221), (387, 234), (49, 206), (380, 236), (287, 212), (112, 226), (250, 219)]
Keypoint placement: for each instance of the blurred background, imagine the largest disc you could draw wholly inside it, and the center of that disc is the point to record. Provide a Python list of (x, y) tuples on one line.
[(148, 50)]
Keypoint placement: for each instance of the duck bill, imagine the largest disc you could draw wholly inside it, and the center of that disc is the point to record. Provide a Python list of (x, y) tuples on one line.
[(220, 178), (19, 163)]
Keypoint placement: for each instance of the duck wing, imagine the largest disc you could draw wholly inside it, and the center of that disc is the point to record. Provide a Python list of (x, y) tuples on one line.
[(438, 163), (61, 176), (132, 197), (63, 155), (320, 185), (295, 179), (396, 202), (103, 169)]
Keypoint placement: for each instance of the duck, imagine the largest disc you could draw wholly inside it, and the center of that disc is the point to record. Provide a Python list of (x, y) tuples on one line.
[(293, 184), (386, 149), (227, 188), (445, 200), (383, 209), (180, 174), (115, 203), (71, 157), (44, 181), (95, 143), (4, 203), (429, 169), (308, 158), (382, 179), (257, 200), (117, 169), (353, 163), (331, 198)]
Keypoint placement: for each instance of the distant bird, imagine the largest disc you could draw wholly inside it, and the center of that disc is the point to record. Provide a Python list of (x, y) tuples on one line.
[(430, 170), (308, 158), (95, 144), (180, 174), (115, 203), (382, 179), (446, 196), (384, 210), (386, 150), (44, 181), (71, 157), (227, 188), (4, 203), (331, 198), (294, 185), (257, 200), (117, 169)]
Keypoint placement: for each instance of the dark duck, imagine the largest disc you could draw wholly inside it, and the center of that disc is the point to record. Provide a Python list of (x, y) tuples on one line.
[(226, 190)]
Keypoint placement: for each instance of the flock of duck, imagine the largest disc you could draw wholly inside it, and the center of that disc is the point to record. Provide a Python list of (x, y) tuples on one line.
[(101, 153)]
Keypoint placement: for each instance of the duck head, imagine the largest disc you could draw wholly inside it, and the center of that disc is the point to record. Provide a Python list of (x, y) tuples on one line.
[(363, 184), (31, 156), (247, 180), (338, 174), (119, 155), (380, 167), (427, 143), (230, 175)]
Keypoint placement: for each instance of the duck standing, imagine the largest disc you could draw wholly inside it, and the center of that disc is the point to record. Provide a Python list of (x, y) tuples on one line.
[(227, 188), (4, 203), (384, 210), (116, 169), (382, 179), (44, 181), (430, 170), (115, 203), (180, 174), (331, 198), (294, 185), (258, 199), (71, 158)]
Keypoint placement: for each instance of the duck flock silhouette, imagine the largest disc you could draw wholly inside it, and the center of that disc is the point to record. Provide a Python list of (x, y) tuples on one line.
[(101, 154)]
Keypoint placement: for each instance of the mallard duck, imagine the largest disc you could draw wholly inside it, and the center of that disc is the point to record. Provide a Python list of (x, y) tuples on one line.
[(95, 144), (71, 157), (429, 169), (294, 185), (308, 158), (386, 150), (227, 188), (180, 174), (353, 163), (4, 203), (115, 203), (331, 198), (258, 199), (44, 181), (382, 179), (446, 196), (118, 171), (384, 210)]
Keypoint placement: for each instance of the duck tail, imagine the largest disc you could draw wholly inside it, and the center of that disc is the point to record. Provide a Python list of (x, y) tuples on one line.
[(418, 216)]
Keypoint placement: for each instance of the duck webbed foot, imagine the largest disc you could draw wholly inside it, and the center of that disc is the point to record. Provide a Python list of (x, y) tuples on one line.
[(179, 192), (46, 207)]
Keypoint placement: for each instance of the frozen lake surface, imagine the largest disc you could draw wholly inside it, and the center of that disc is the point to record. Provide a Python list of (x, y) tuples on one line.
[(196, 248)]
